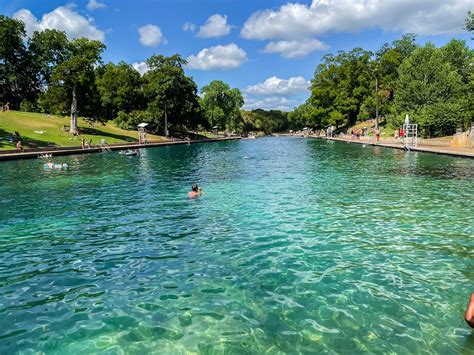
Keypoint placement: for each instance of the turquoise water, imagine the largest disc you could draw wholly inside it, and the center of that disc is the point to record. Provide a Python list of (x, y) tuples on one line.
[(297, 246)]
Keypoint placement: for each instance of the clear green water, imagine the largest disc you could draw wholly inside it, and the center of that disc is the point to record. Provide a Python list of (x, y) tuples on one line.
[(297, 246)]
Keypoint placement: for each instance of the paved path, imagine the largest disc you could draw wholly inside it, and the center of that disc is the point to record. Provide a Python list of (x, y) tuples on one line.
[(456, 151), (31, 154)]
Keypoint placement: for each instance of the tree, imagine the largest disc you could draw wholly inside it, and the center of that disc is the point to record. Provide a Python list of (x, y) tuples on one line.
[(265, 121), (48, 49), (221, 105), (15, 73), (305, 115), (172, 96), (469, 23), (340, 86), (430, 90), (75, 75), (120, 89)]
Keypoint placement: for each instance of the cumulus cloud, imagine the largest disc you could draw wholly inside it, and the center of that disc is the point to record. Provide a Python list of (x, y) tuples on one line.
[(277, 86), (150, 35), (94, 5), (141, 67), (295, 20), (215, 26), (295, 49), (188, 26), (269, 103), (63, 18), (219, 57)]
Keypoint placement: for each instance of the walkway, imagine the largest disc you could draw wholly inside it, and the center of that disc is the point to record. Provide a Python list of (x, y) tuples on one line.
[(455, 151), (33, 153)]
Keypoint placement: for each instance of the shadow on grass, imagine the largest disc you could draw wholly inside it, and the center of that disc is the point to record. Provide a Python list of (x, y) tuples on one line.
[(26, 141), (96, 132)]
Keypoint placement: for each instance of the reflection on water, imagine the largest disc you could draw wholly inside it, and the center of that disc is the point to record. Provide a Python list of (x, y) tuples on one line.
[(298, 245)]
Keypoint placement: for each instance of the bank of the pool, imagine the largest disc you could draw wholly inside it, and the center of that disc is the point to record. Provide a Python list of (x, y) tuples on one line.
[(59, 151), (453, 151)]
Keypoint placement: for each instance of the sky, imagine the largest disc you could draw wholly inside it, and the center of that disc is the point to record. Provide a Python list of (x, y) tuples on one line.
[(268, 49)]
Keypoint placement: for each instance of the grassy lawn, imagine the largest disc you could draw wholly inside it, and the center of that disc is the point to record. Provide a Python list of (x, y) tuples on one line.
[(40, 130)]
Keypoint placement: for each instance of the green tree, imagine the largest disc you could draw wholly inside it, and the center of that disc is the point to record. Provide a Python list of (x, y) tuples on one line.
[(172, 96), (430, 90), (221, 105), (48, 49), (469, 23), (75, 76), (15, 66), (305, 115), (340, 86), (120, 89)]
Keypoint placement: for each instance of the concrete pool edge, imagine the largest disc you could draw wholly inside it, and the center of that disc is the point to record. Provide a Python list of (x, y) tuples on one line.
[(436, 150), (60, 151)]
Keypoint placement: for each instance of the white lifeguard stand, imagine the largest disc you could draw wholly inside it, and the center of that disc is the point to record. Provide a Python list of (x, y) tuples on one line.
[(410, 134), (142, 133), (330, 131)]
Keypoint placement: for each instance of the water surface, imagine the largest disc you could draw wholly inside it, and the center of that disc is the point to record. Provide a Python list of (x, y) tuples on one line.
[(297, 246)]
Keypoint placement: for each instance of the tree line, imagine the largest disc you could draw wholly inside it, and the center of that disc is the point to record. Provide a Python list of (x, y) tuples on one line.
[(434, 86), (49, 73)]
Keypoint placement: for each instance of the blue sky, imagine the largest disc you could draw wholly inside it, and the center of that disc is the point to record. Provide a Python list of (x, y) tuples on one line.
[(267, 48)]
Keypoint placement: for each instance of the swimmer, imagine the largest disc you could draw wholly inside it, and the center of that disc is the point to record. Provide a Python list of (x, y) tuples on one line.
[(50, 164), (469, 317), (195, 191)]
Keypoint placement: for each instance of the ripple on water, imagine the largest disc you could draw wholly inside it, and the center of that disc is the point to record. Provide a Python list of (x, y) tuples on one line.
[(296, 246)]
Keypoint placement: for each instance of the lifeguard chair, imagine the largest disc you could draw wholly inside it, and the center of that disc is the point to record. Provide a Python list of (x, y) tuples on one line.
[(409, 134), (142, 133)]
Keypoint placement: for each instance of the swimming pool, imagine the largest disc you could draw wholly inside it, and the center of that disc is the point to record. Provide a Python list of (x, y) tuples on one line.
[(298, 245)]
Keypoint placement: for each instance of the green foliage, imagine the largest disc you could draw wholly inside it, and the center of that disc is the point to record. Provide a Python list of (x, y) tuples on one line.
[(120, 89), (340, 86), (170, 93), (15, 77), (434, 86), (221, 106), (469, 23), (47, 49), (305, 115), (265, 121), (427, 83), (131, 120)]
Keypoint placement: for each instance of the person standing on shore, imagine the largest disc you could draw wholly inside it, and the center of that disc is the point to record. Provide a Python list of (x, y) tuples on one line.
[(19, 146), (377, 135), (83, 143)]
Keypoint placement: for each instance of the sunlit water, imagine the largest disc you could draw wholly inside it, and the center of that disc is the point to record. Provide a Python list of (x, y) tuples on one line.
[(298, 246)]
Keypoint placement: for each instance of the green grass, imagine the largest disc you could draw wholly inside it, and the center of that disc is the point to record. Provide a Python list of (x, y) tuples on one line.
[(30, 125)]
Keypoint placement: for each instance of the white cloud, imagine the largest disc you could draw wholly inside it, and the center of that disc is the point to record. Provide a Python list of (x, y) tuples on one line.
[(219, 57), (295, 20), (277, 86), (150, 35), (63, 18), (94, 5), (215, 26), (269, 103), (295, 49), (141, 67), (189, 26)]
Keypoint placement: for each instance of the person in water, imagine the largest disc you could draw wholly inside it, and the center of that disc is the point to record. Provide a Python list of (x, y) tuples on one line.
[(469, 317), (50, 164), (195, 191)]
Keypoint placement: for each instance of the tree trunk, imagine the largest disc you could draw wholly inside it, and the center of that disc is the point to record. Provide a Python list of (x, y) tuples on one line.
[(73, 125)]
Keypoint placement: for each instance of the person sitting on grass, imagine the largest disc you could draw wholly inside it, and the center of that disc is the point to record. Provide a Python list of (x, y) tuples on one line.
[(469, 316)]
